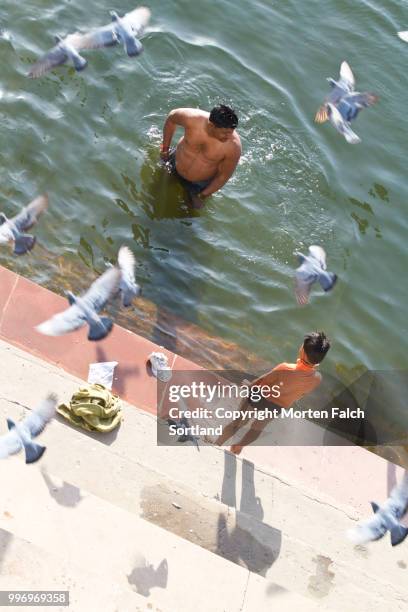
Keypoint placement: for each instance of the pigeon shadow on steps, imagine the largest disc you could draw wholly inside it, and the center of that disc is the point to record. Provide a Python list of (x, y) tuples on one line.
[(66, 495), (144, 577)]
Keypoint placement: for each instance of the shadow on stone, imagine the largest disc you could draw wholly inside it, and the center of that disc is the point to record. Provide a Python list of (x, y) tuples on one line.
[(5, 539), (249, 542), (66, 495), (144, 577)]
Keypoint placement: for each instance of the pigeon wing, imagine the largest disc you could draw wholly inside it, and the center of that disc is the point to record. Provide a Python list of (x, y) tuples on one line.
[(403, 35), (322, 114), (66, 321), (319, 254), (342, 126), (399, 498), (10, 444), (137, 19), (103, 288), (35, 422), (304, 280), (368, 531), (127, 262), (346, 77), (6, 233), (96, 39), (29, 214), (53, 58)]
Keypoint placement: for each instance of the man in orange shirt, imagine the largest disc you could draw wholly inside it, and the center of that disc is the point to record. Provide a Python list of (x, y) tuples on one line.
[(294, 379)]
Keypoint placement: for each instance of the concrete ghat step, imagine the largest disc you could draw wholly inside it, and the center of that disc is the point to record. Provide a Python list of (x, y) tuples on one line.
[(123, 550), (303, 548), (28, 567), (292, 536)]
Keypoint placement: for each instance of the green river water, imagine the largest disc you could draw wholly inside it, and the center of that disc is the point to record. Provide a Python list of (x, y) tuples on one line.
[(91, 140)]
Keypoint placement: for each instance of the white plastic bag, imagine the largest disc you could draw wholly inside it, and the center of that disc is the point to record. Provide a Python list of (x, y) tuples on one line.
[(102, 373)]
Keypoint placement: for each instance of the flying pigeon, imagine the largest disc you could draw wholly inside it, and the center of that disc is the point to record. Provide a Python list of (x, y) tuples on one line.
[(21, 434), (343, 104), (312, 268), (403, 35), (386, 518), (128, 286), (13, 229), (85, 309), (185, 425), (125, 30)]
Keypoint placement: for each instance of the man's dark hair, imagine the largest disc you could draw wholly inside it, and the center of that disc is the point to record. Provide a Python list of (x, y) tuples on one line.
[(316, 345), (223, 117)]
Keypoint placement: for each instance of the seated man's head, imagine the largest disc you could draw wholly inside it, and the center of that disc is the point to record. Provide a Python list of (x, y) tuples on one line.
[(314, 348), (223, 122)]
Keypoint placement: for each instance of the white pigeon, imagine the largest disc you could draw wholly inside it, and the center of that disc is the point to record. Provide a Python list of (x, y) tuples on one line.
[(125, 30), (21, 434), (312, 268), (403, 35), (343, 104), (85, 309), (12, 230)]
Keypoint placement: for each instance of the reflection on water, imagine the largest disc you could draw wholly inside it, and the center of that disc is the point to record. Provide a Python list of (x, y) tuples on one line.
[(162, 195), (363, 222), (380, 191)]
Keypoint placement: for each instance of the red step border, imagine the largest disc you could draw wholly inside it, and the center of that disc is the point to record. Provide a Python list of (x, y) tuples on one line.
[(24, 304)]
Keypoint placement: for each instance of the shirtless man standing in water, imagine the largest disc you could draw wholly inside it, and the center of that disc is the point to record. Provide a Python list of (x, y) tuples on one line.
[(206, 156)]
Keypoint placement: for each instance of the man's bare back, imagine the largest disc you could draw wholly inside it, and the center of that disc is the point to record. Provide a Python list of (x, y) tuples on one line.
[(207, 153)]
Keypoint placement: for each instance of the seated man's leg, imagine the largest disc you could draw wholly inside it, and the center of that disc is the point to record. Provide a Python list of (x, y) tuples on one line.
[(253, 434), (257, 426), (229, 430)]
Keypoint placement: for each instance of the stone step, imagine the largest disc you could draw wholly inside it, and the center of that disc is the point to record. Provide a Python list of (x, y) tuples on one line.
[(128, 556), (25, 566), (243, 537)]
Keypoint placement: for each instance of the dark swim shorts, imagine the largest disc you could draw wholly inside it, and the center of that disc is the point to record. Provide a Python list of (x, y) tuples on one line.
[(192, 187)]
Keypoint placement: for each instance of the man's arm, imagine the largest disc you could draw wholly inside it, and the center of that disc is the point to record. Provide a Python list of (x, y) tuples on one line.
[(176, 117), (224, 172)]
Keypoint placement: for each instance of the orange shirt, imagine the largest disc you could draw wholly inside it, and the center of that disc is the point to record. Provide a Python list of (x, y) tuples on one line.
[(295, 381)]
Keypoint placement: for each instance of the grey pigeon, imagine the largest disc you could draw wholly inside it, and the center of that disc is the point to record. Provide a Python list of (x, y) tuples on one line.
[(128, 287), (312, 268), (21, 434), (386, 518), (13, 229), (85, 309), (185, 425), (343, 104), (125, 30), (403, 35)]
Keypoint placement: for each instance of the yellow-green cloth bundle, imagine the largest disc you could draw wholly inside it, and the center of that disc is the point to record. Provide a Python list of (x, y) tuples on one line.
[(94, 408)]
